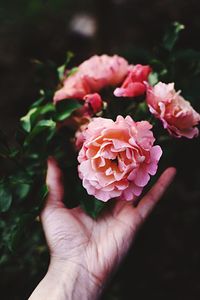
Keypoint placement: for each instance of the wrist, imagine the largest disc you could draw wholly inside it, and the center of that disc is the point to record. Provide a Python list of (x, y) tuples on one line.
[(67, 280), (74, 279)]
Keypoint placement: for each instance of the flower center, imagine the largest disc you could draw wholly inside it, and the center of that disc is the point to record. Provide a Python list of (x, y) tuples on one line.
[(115, 161)]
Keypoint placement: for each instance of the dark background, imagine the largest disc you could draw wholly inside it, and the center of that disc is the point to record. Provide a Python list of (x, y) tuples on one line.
[(165, 260)]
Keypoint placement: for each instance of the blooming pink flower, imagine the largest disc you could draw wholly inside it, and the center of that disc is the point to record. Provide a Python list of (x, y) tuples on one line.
[(176, 114), (93, 75), (134, 84), (117, 157)]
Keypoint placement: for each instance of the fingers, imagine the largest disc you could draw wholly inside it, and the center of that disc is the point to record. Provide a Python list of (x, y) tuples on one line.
[(54, 183), (146, 205)]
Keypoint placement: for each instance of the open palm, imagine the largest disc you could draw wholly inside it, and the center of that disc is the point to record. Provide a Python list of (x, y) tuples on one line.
[(96, 246)]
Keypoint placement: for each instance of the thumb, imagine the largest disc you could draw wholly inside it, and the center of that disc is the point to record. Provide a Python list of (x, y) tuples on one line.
[(54, 184), (148, 202)]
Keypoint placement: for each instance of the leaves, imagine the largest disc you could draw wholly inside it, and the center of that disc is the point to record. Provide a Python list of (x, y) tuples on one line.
[(30, 118), (172, 35), (22, 190), (42, 125), (153, 78), (26, 121), (43, 192), (72, 71), (65, 108), (61, 69), (5, 197), (18, 229), (92, 206)]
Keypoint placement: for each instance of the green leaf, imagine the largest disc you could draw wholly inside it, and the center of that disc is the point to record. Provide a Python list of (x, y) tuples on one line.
[(46, 123), (153, 78), (61, 72), (22, 190), (93, 206), (39, 127), (42, 194), (65, 108), (18, 230), (69, 56), (5, 198), (27, 119), (143, 107), (39, 101), (13, 152), (72, 71), (61, 69), (47, 108), (172, 35)]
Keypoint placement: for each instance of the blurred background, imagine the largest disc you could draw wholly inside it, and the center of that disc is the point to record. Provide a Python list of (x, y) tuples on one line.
[(165, 260)]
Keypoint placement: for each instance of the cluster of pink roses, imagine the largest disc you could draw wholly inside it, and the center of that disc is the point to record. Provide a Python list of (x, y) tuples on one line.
[(117, 158)]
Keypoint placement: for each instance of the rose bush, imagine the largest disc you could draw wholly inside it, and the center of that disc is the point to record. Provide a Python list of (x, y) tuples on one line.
[(83, 120)]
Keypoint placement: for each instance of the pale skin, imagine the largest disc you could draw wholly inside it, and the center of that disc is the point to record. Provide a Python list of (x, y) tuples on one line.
[(84, 253)]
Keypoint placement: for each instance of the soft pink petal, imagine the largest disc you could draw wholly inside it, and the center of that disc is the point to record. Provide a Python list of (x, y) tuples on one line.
[(142, 177)]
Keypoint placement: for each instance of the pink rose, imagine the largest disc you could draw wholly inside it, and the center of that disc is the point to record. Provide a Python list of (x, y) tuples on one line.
[(93, 103), (176, 114), (93, 75), (117, 157), (134, 85)]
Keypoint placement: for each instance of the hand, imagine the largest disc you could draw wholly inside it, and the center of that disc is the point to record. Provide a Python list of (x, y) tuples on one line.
[(85, 252)]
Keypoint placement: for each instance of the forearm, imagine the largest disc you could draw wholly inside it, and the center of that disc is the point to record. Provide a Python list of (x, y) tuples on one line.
[(67, 281)]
